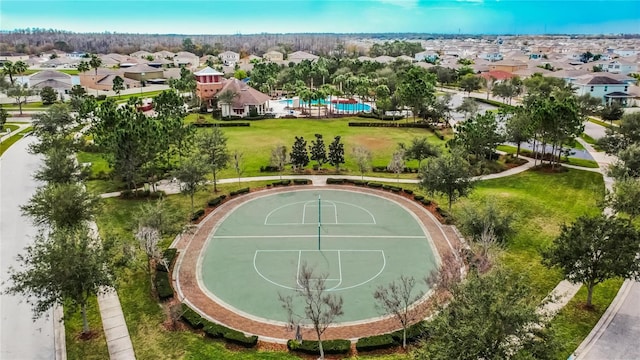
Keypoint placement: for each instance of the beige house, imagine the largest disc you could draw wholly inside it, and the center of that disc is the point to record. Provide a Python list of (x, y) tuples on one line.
[(103, 80), (245, 101), (299, 56), (143, 72), (274, 56)]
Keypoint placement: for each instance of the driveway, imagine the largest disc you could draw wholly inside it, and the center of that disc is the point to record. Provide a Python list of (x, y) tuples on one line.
[(20, 337), (594, 130)]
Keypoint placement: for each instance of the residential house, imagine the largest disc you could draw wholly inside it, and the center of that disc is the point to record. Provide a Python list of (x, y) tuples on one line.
[(246, 101), (429, 56), (384, 59), (299, 56), (273, 56), (626, 52), (102, 79), (496, 75), (250, 59), (491, 56), (61, 62), (621, 67), (58, 81), (164, 54), (77, 54), (229, 58), (186, 59), (208, 84), (141, 54), (603, 87), (508, 66), (143, 73)]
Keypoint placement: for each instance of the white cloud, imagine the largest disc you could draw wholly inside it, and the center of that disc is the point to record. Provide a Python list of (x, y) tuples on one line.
[(409, 4)]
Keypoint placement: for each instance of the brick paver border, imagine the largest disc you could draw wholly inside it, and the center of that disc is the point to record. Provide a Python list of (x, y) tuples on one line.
[(186, 283)]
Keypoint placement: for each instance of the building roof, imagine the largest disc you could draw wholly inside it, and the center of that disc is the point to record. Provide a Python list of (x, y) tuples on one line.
[(55, 84), (599, 80), (302, 55), (618, 94), (141, 68), (108, 80), (50, 74), (497, 75), (246, 95), (164, 54), (207, 71), (228, 53)]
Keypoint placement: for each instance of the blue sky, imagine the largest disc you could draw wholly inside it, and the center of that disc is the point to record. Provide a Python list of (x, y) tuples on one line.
[(351, 16)]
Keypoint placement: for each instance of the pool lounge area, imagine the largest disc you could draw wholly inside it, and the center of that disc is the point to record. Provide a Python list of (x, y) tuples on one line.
[(338, 106)]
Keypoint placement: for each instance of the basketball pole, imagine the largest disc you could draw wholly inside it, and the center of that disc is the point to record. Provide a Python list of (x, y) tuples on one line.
[(319, 221)]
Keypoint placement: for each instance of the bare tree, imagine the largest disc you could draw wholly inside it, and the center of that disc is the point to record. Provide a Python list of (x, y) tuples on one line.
[(237, 159), (362, 157), (279, 158), (448, 275), (320, 308), (396, 165), (149, 238), (396, 298)]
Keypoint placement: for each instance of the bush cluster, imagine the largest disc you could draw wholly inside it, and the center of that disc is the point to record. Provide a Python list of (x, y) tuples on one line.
[(101, 97), (415, 333), (372, 115), (234, 124), (408, 170), (285, 182), (132, 194), (216, 201), (390, 124), (216, 330), (239, 192), (197, 215), (269, 168), (300, 181), (311, 346), (163, 285), (377, 342)]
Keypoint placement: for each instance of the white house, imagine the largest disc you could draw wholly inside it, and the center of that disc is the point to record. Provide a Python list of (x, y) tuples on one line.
[(429, 56), (626, 52), (491, 56), (602, 87), (246, 100), (621, 67), (229, 58)]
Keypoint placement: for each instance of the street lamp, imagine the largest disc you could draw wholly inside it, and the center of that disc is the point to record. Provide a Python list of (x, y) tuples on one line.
[(141, 77)]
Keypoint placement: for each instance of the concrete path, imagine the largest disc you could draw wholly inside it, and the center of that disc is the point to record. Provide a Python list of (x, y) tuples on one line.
[(10, 134), (115, 328)]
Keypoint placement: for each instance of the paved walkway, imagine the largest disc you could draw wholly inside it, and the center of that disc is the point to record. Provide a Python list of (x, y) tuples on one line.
[(115, 326), (6, 136)]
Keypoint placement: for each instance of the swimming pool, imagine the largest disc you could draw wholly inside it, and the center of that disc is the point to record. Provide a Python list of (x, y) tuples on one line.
[(336, 106)]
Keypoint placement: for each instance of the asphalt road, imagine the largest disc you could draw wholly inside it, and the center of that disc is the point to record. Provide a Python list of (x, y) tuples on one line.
[(20, 337)]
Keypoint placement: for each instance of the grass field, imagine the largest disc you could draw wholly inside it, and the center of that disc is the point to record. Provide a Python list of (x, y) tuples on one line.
[(13, 139)]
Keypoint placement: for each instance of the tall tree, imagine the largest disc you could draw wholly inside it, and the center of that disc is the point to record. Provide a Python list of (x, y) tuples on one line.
[(66, 264), (469, 107), (192, 175), (95, 62), (4, 115), (83, 66), (299, 155), (237, 160), (55, 121), (621, 137), (118, 85), (10, 68), (396, 164), (321, 308), (625, 197), (318, 150), (279, 158), (490, 317), (59, 167), (449, 175), (396, 298), (21, 93), (417, 89), (213, 145), (420, 149), (48, 95), (519, 128), (479, 136), (612, 111), (61, 206), (470, 83), (336, 153), (594, 249)]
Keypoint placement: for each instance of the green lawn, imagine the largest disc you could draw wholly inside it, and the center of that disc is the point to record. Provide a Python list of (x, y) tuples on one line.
[(11, 127), (600, 122), (572, 161), (13, 139), (95, 348)]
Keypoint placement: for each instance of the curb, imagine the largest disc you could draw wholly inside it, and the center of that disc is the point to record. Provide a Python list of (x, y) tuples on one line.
[(59, 339)]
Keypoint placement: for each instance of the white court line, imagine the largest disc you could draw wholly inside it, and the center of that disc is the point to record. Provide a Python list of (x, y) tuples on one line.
[(339, 272), (297, 270), (304, 212), (315, 236), (328, 224)]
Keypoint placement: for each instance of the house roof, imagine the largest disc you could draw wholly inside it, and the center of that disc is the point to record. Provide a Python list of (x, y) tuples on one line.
[(600, 80), (228, 53), (207, 71), (497, 74), (164, 54), (141, 68), (618, 94), (50, 74), (108, 80), (302, 55), (246, 95)]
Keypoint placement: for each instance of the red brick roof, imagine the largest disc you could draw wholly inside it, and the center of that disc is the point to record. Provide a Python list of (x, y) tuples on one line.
[(497, 74)]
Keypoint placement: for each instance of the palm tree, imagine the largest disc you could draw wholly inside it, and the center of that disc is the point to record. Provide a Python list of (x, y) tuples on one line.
[(83, 66), (305, 96), (330, 91), (319, 95), (10, 68), (95, 62)]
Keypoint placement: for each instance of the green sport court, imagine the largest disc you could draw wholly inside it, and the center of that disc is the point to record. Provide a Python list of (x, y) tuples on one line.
[(256, 251)]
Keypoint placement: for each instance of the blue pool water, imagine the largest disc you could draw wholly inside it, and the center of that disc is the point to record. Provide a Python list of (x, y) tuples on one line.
[(336, 106)]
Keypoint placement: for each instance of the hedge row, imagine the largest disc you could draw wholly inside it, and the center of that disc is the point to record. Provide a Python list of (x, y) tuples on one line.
[(269, 168), (285, 182), (493, 102), (311, 346), (216, 330), (377, 342), (385, 170), (392, 124), (216, 201), (300, 181), (197, 215), (239, 191), (394, 189), (372, 115), (163, 285), (168, 255), (229, 124)]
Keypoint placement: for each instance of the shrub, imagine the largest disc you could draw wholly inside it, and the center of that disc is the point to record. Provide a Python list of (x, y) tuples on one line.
[(390, 124), (386, 187), (311, 346), (374, 185), (438, 134), (239, 338), (494, 103), (359, 182), (269, 168), (335, 181), (214, 330), (163, 285), (197, 215), (285, 182), (370, 343), (300, 181), (216, 201), (101, 97), (415, 332), (239, 192), (408, 191), (191, 317), (418, 197), (425, 202), (231, 124)]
